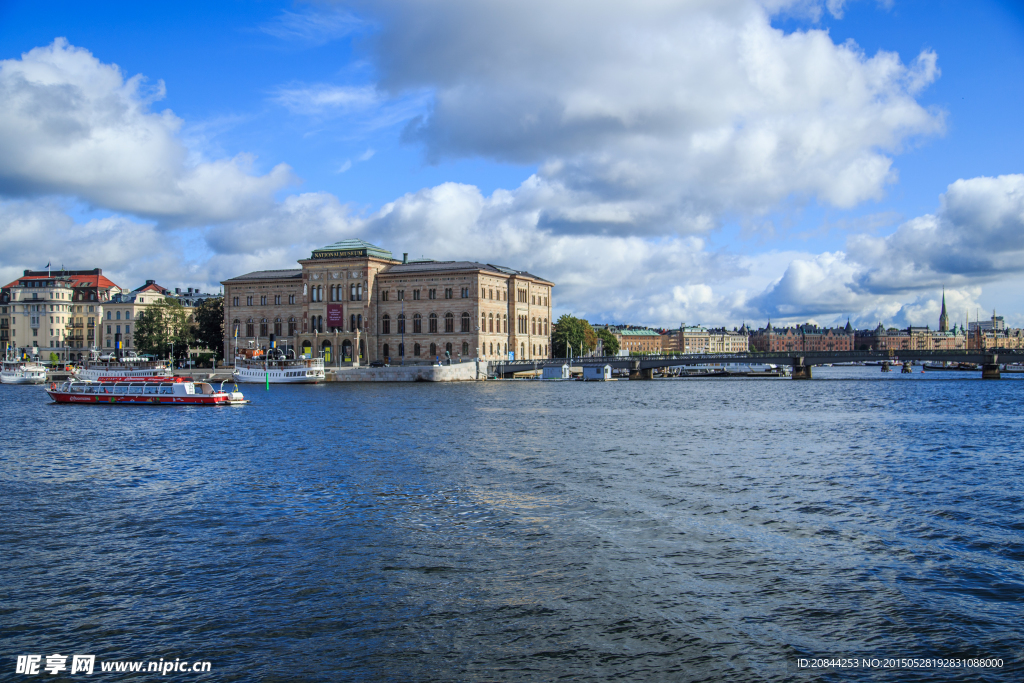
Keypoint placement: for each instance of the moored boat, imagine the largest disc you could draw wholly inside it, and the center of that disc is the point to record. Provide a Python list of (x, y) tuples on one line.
[(131, 366), (22, 372), (143, 391), (274, 367)]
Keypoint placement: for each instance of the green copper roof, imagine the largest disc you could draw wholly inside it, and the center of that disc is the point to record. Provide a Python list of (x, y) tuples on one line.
[(351, 248)]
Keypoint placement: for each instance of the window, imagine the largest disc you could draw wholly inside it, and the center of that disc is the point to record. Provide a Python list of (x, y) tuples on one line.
[(108, 330), (291, 298), (109, 314), (277, 327), (432, 294), (416, 297), (385, 326), (277, 299), (127, 329), (401, 297), (384, 295), (533, 326), (249, 331), (416, 350), (417, 325), (448, 349), (234, 301), (387, 351), (465, 292), (127, 315), (449, 293), (248, 301), (465, 348), (293, 326), (401, 327), (401, 350), (465, 322), (449, 323), (483, 322), (545, 326), (118, 315), (263, 328), (490, 293), (433, 324), (433, 349), (263, 301)]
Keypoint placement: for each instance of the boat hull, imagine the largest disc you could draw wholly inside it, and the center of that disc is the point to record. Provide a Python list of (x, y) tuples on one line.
[(107, 399), (22, 380)]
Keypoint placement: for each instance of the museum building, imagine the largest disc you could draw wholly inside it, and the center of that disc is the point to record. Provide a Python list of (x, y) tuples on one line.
[(353, 294)]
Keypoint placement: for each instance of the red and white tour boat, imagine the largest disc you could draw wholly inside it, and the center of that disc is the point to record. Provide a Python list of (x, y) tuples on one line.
[(143, 391)]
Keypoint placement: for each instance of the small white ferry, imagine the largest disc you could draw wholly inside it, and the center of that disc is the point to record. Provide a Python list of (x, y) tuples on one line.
[(143, 391), (255, 366), (131, 365), (22, 372)]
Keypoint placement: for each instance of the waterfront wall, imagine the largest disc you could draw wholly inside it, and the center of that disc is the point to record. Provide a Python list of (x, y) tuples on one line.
[(459, 372)]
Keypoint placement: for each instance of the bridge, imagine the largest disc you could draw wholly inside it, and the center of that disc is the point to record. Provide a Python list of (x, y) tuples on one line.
[(643, 367)]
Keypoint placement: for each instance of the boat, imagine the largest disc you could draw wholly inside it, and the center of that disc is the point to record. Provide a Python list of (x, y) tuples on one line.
[(130, 365), (22, 372), (274, 367), (143, 391)]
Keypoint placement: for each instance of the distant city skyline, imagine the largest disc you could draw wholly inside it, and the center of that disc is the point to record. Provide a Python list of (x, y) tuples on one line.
[(803, 161)]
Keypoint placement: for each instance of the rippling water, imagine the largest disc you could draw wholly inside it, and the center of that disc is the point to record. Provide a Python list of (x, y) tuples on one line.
[(523, 531)]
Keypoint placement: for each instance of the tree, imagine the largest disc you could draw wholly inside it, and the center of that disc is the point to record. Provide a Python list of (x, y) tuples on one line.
[(162, 325), (572, 333), (608, 342), (209, 325)]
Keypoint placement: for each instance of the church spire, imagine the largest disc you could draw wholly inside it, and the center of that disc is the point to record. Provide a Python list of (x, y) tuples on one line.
[(943, 317)]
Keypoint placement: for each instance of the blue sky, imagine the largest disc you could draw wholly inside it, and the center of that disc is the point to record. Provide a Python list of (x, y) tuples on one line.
[(662, 162)]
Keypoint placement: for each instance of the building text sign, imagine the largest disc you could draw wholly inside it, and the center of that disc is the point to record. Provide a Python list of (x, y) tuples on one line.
[(339, 253), (335, 315)]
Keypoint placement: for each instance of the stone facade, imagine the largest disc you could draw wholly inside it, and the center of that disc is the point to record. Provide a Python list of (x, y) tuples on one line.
[(400, 311), (803, 338)]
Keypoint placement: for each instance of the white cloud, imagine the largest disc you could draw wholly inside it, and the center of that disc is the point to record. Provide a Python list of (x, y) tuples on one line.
[(665, 114), (71, 125), (314, 27)]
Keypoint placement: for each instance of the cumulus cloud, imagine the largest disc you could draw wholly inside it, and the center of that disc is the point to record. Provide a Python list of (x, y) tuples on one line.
[(73, 126), (666, 114)]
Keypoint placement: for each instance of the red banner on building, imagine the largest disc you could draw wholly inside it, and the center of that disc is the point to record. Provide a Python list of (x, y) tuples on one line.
[(335, 315)]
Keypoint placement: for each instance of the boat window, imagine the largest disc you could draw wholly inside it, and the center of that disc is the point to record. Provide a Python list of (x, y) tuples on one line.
[(166, 389), (135, 389), (108, 389), (121, 389), (151, 388), (90, 390), (77, 388)]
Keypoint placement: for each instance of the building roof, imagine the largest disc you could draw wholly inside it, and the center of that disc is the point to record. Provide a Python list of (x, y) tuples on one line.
[(638, 333), (429, 266), (79, 278), (357, 247), (288, 274)]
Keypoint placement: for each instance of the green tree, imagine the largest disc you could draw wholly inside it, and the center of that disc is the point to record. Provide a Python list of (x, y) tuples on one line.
[(162, 325), (574, 333), (608, 342), (209, 325)]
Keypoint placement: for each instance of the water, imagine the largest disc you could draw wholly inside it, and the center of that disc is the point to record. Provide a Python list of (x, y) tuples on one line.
[(523, 531)]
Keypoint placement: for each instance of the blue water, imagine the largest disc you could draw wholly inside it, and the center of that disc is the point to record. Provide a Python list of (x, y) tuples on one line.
[(674, 530)]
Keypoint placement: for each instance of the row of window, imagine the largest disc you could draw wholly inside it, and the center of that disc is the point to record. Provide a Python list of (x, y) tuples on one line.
[(528, 325), (449, 293), (263, 300), (117, 315), (417, 323), (524, 297)]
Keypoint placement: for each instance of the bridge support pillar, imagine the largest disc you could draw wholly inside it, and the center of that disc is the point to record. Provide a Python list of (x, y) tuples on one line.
[(801, 370), (645, 373), (990, 371)]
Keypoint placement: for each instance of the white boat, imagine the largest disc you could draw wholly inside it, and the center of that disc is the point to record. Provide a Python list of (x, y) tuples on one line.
[(132, 366), (273, 367), (22, 372)]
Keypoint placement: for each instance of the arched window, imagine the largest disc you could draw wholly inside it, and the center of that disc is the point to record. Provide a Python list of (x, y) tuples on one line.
[(433, 349), (416, 350), (465, 322), (492, 348), (235, 328), (118, 314), (433, 323), (385, 327), (465, 348), (352, 323), (263, 328), (417, 324), (401, 350), (533, 326), (359, 321), (490, 322), (401, 328), (448, 349), (483, 322), (277, 327), (352, 292), (386, 351), (293, 326), (449, 323), (522, 351), (504, 324), (249, 331), (545, 326)]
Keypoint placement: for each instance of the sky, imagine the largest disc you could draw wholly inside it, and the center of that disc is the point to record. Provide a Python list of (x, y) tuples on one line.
[(702, 161)]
